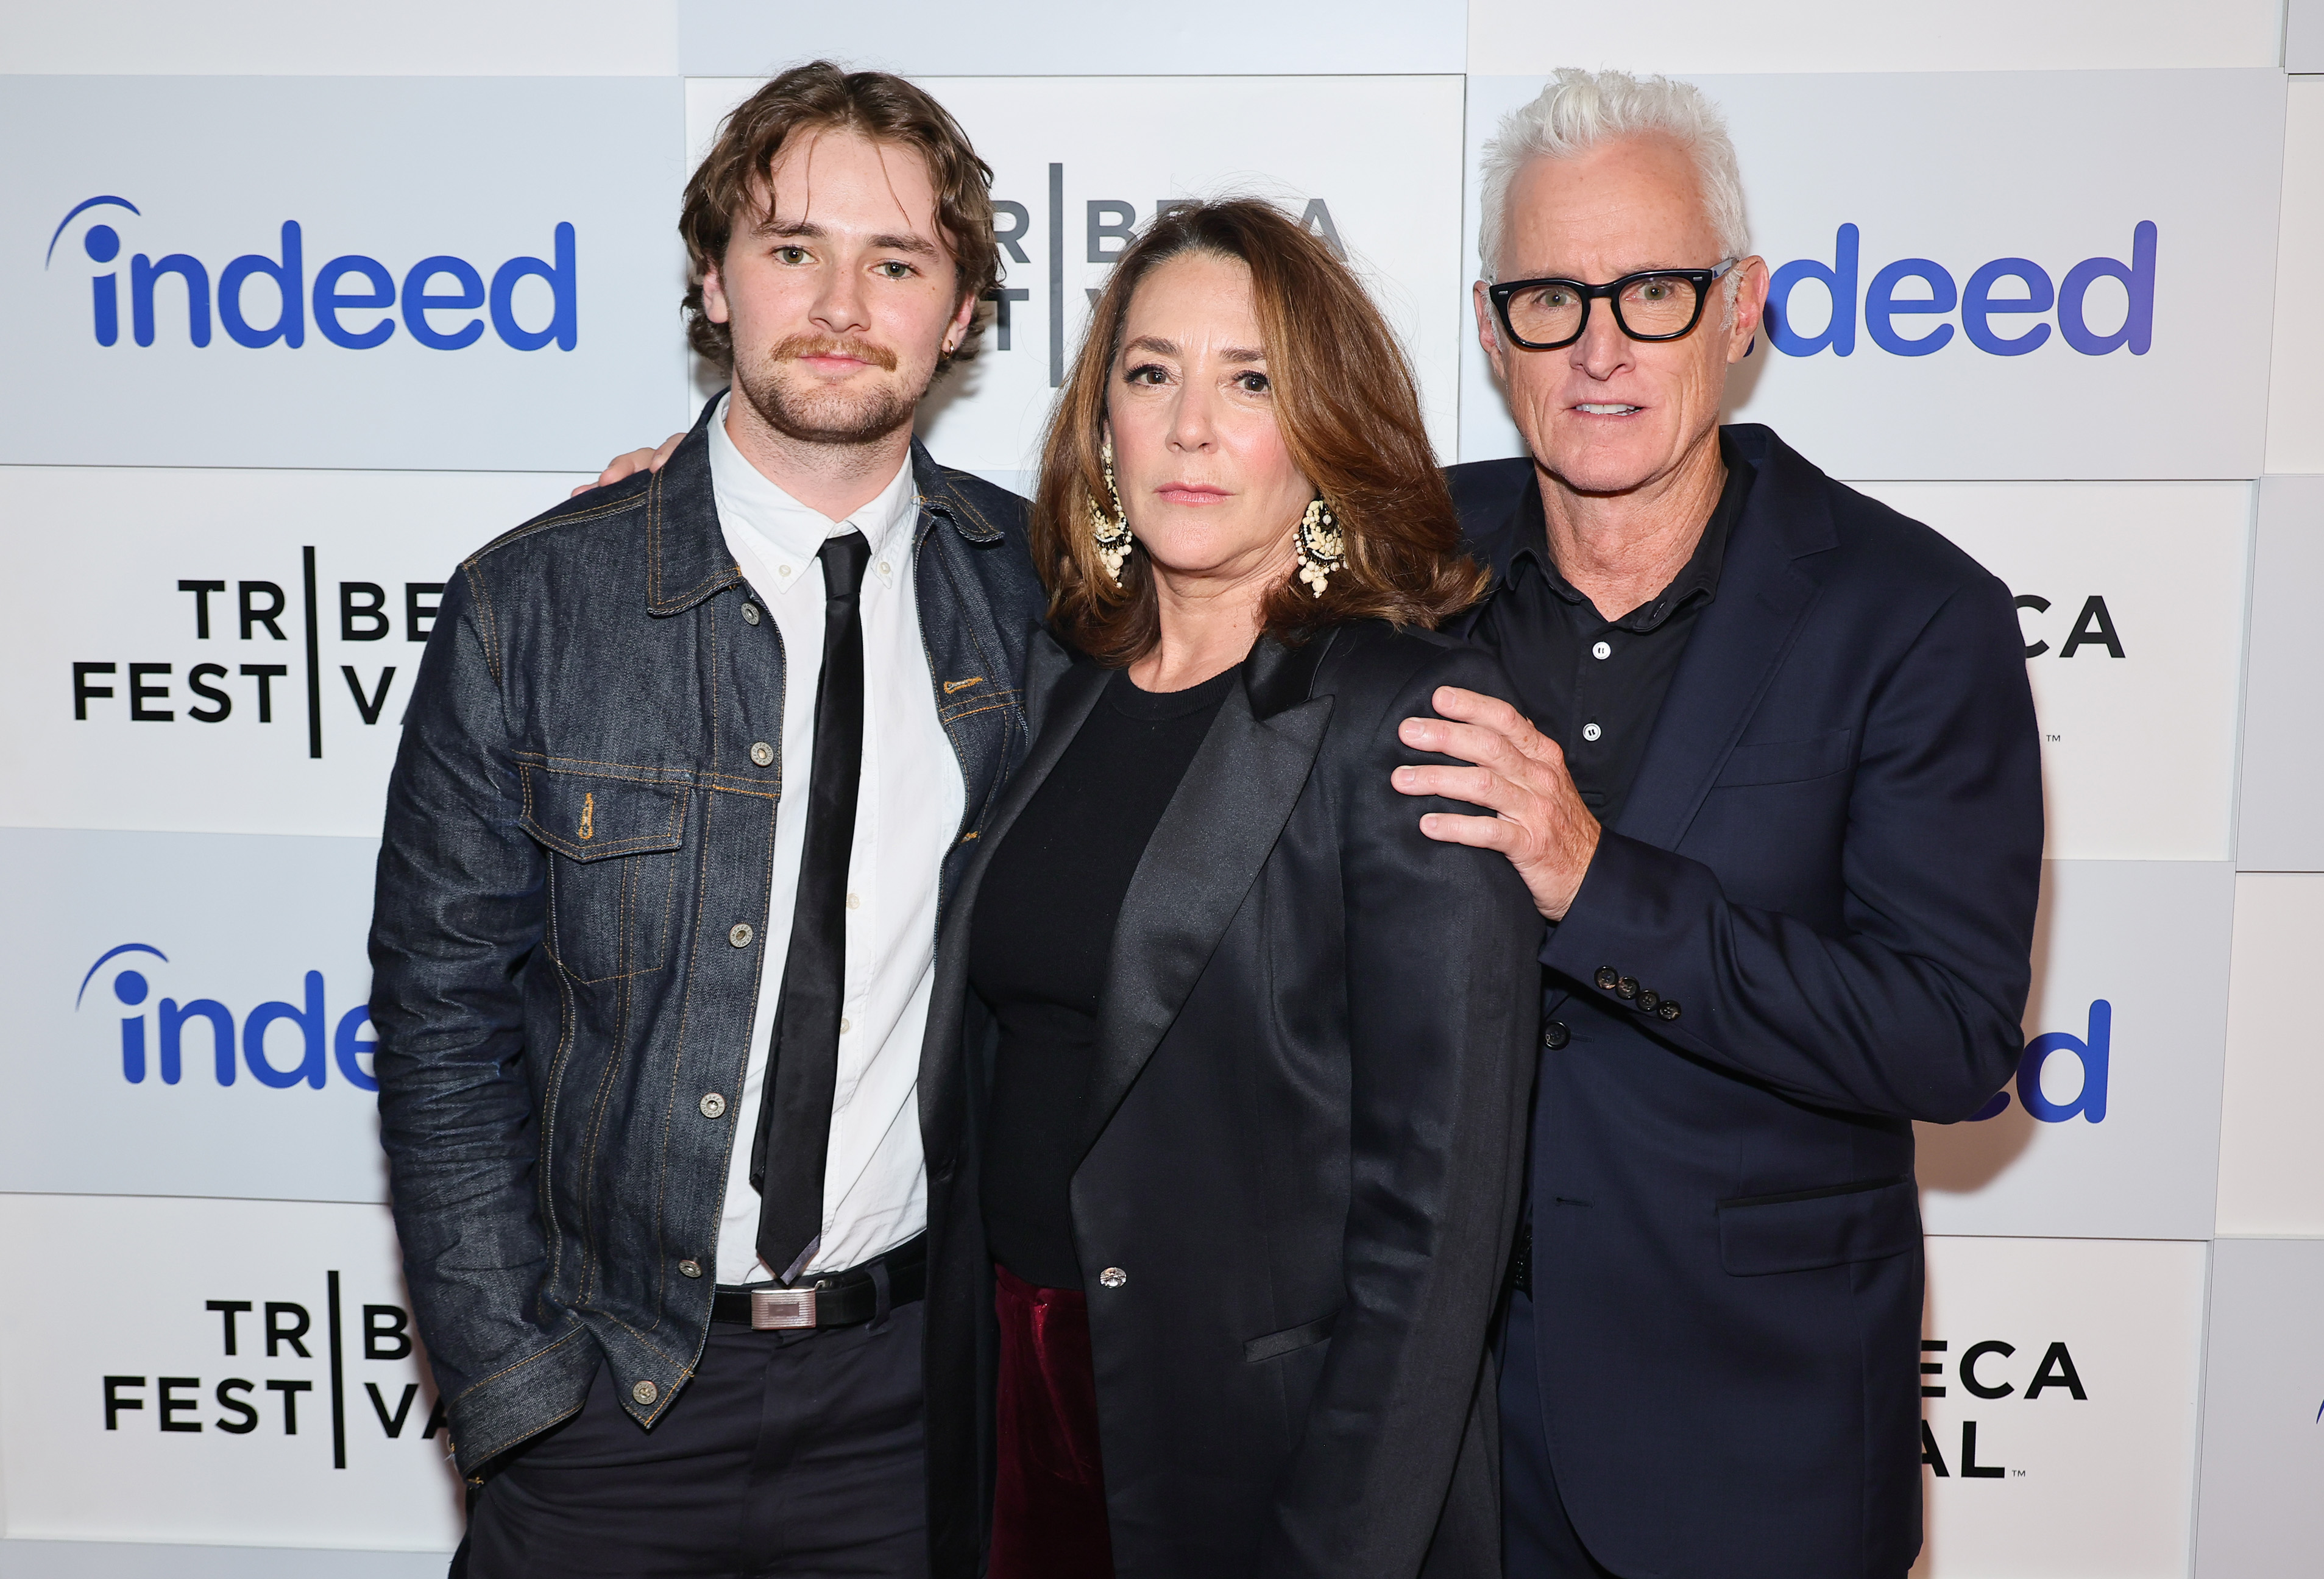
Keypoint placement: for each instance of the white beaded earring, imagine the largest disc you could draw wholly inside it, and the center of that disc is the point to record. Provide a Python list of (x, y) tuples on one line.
[(1323, 545), (1113, 540)]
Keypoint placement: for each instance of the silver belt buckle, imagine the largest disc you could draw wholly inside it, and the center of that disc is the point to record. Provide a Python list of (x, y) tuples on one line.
[(778, 1309)]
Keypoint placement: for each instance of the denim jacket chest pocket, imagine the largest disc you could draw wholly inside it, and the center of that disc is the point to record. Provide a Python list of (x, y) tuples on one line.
[(614, 846)]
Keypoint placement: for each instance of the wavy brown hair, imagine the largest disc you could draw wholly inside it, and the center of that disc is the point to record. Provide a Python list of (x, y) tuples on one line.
[(819, 96), (1350, 413)]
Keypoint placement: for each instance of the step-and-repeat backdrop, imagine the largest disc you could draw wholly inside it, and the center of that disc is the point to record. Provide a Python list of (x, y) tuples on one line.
[(303, 303)]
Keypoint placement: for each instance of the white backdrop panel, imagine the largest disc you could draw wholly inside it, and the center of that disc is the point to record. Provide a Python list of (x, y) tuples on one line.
[(2295, 403), (2280, 824), (734, 37), (2303, 35), (2263, 1397), (1845, 35), (218, 749), (2133, 593), (1080, 171), (2089, 1354), (2271, 1166), (140, 964), (2050, 173), (202, 1446), (429, 38), (152, 328), (94, 1559), (2125, 1029), (2168, 1088)]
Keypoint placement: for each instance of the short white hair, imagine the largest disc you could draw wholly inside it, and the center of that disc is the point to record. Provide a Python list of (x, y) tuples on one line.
[(1581, 110)]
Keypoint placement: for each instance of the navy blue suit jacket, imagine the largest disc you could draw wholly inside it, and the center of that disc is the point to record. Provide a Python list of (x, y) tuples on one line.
[(1825, 876)]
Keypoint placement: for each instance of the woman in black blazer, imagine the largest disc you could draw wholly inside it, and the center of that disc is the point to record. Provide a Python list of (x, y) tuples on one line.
[(1234, 1059)]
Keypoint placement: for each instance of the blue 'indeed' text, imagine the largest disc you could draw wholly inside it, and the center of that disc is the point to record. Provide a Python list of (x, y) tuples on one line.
[(1994, 304), (165, 1053), (2094, 1051), (355, 302)]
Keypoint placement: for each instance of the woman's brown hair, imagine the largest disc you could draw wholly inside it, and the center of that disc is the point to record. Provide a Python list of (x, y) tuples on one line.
[(1350, 413), (819, 96)]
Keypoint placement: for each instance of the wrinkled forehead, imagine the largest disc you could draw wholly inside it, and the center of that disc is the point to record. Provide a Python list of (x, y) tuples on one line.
[(1192, 302), (1628, 204)]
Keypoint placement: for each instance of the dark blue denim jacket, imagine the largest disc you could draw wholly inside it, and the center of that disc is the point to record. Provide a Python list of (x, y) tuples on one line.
[(575, 832)]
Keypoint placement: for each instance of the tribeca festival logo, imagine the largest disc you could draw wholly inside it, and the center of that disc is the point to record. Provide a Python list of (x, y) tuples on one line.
[(1107, 227), (238, 1405), (309, 1044), (1995, 303), (253, 611), (1983, 1371), (355, 301), (2092, 628), (2093, 1052)]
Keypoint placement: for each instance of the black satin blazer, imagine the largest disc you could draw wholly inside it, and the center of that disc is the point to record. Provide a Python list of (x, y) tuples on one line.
[(1305, 1137)]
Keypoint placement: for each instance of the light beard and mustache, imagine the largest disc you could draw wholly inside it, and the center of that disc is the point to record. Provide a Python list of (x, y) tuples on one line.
[(826, 416)]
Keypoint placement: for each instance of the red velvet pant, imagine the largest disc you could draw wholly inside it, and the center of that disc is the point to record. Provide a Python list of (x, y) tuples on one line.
[(1048, 1507)]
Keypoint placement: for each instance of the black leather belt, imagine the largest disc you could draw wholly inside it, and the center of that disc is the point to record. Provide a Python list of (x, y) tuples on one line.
[(847, 1299)]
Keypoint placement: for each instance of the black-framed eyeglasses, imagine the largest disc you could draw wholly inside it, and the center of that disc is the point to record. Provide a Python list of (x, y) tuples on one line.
[(1656, 304)]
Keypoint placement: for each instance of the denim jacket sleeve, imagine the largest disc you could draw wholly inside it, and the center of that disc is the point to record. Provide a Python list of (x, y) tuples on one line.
[(458, 911)]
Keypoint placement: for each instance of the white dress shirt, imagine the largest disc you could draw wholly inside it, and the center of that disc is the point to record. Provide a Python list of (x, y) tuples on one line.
[(907, 810)]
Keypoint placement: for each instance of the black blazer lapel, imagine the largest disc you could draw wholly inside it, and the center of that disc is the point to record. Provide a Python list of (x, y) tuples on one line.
[(1213, 837), (1762, 600)]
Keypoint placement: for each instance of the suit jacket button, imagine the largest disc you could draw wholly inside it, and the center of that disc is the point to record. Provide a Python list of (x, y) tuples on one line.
[(1669, 1011), (1608, 975), (1628, 986), (1649, 999), (1113, 1277), (1554, 1036)]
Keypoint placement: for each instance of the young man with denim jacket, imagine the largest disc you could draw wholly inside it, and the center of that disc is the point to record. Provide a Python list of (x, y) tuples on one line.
[(666, 847)]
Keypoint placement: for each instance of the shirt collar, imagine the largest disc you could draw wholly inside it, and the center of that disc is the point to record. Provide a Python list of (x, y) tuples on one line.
[(1698, 577), (787, 535)]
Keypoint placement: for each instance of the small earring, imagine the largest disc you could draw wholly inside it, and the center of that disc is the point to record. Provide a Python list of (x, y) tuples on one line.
[(1323, 545), (1114, 538)]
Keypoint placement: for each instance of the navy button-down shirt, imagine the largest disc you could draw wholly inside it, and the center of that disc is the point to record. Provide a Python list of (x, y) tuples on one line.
[(1594, 685)]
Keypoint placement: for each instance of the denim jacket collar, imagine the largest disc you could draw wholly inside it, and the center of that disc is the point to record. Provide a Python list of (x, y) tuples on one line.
[(941, 501), (686, 549)]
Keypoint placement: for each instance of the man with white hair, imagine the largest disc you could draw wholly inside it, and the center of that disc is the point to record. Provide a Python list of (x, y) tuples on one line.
[(1779, 800)]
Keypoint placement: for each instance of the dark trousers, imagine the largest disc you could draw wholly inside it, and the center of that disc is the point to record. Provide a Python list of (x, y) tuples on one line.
[(798, 1454), (1538, 1541)]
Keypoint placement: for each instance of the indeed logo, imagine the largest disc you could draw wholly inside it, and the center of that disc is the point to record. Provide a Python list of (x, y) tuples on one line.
[(306, 1030), (355, 301), (2090, 1051), (1995, 303)]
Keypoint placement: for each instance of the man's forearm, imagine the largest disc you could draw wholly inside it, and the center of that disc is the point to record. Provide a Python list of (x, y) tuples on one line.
[(460, 910), (1850, 1022)]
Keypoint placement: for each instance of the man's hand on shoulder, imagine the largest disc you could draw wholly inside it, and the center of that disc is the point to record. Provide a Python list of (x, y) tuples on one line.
[(1540, 821), (630, 465)]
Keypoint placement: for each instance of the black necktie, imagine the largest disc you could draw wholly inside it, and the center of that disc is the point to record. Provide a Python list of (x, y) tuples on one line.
[(794, 1135)]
